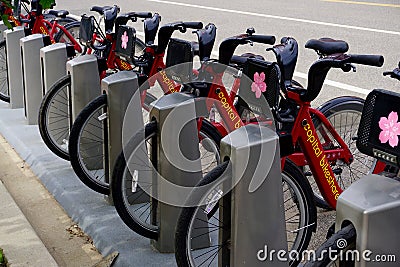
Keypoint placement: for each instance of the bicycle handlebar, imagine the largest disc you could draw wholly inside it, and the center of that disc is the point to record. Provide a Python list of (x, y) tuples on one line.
[(369, 60), (320, 68), (228, 46), (133, 16), (263, 39), (193, 25), (393, 74), (142, 15), (166, 31)]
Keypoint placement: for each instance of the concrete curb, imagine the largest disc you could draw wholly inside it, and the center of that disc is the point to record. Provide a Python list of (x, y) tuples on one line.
[(89, 209)]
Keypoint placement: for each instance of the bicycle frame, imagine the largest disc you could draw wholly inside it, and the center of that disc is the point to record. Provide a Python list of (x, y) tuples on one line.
[(41, 26), (313, 152)]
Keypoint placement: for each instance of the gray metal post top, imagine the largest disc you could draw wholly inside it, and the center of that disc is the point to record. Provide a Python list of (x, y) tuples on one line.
[(82, 59), (372, 205), (255, 159)]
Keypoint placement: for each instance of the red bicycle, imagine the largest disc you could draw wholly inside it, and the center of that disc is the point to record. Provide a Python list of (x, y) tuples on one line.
[(55, 105), (297, 127), (150, 64), (36, 22), (128, 185)]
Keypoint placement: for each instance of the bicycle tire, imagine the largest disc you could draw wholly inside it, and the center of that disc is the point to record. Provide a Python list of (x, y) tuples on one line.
[(141, 224), (73, 29), (291, 175), (65, 21), (54, 110), (94, 178), (352, 107), (323, 259), (4, 90)]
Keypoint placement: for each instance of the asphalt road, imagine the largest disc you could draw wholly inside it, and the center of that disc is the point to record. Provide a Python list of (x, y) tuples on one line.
[(369, 28)]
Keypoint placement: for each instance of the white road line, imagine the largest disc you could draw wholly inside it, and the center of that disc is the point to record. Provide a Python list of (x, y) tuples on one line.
[(277, 17), (339, 85)]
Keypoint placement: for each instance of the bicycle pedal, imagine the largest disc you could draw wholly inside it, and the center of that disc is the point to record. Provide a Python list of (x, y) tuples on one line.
[(102, 117)]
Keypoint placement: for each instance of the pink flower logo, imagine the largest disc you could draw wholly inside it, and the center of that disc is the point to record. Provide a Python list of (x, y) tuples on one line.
[(390, 129), (125, 40), (259, 86)]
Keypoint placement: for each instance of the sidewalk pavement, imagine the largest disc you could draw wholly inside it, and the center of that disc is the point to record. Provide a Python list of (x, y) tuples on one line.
[(89, 209), (21, 245)]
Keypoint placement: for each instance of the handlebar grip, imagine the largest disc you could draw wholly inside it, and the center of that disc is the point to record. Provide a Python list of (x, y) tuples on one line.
[(143, 15), (193, 25), (370, 60), (263, 39)]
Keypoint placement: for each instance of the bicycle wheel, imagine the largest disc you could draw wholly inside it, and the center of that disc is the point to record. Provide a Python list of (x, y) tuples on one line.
[(131, 201), (4, 91), (337, 244), (61, 21), (344, 113), (54, 118), (300, 216), (73, 29), (66, 20), (86, 143)]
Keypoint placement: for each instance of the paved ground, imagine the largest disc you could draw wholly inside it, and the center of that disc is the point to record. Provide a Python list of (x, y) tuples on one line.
[(87, 208), (67, 244)]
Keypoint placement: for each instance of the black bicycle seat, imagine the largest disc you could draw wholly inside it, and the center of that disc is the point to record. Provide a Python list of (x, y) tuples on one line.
[(100, 9), (206, 39), (296, 89), (59, 13), (327, 46), (150, 28), (240, 60)]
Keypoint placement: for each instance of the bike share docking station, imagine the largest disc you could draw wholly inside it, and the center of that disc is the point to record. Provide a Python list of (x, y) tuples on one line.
[(31, 73), (372, 204), (85, 83), (256, 202), (121, 89), (177, 162), (53, 59), (85, 86), (14, 64)]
